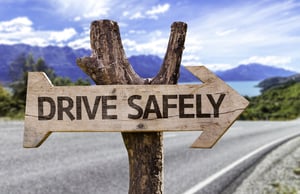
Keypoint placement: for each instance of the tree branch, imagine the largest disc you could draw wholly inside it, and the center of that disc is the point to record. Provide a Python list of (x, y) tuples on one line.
[(169, 71), (108, 63)]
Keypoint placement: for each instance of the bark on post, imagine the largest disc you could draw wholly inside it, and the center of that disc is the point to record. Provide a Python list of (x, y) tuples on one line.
[(109, 65)]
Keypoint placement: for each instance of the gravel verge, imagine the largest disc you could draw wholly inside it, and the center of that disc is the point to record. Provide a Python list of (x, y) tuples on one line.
[(276, 173)]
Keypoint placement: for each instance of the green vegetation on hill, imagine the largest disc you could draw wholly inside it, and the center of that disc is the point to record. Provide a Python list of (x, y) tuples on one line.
[(6, 103), (279, 103)]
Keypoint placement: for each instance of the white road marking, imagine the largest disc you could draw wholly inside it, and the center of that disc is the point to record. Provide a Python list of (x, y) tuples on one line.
[(215, 176)]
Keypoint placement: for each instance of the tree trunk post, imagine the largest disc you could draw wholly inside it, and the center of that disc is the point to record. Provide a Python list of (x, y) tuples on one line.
[(109, 65)]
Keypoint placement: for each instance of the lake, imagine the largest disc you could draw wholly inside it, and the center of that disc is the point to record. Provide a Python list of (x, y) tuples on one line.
[(244, 88)]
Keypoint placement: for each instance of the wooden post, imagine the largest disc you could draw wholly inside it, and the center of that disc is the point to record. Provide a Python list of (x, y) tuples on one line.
[(109, 65)]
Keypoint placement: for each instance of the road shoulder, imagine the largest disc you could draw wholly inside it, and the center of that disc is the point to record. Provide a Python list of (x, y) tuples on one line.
[(275, 172)]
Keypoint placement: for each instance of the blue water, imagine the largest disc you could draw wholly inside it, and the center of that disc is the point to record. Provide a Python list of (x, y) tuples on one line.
[(244, 88)]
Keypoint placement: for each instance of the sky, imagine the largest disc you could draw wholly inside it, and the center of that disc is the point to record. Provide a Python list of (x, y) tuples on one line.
[(221, 33)]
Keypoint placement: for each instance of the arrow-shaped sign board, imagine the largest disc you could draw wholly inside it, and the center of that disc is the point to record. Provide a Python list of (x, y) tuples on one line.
[(211, 107)]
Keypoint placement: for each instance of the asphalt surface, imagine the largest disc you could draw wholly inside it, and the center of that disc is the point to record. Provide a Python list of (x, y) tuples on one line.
[(97, 162)]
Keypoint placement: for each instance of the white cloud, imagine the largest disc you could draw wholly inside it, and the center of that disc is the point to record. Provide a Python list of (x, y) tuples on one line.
[(19, 24), (125, 13), (80, 43), (77, 18), (36, 41), (264, 28), (96, 13), (190, 60), (82, 9), (8, 42), (225, 32), (20, 30), (137, 15), (154, 42), (137, 32), (153, 47), (194, 60), (156, 47), (219, 67), (279, 61), (151, 13), (61, 36), (159, 9)]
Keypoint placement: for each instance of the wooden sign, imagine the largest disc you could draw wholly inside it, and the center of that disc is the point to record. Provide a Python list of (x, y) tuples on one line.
[(210, 107)]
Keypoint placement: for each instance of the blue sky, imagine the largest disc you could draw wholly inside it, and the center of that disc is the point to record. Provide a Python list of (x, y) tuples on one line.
[(221, 33)]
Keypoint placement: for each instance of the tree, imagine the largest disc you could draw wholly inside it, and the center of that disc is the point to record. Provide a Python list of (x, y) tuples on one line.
[(5, 102), (17, 67), (18, 71), (65, 81)]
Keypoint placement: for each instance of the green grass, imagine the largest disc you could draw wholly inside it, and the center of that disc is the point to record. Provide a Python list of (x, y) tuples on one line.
[(297, 171), (279, 188), (282, 103)]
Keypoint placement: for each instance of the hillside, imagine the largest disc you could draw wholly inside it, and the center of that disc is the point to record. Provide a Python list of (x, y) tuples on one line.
[(280, 103), (253, 72)]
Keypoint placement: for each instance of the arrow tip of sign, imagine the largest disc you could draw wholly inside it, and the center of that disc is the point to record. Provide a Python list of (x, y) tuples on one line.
[(33, 138), (209, 138), (201, 142)]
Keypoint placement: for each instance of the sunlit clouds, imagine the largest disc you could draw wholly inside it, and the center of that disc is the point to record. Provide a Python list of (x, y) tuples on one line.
[(220, 35), (21, 30)]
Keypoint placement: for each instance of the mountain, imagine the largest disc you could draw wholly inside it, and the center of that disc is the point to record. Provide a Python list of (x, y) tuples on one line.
[(253, 72), (148, 66), (63, 61)]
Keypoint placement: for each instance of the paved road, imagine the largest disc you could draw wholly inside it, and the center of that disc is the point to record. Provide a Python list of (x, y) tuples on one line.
[(97, 162)]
